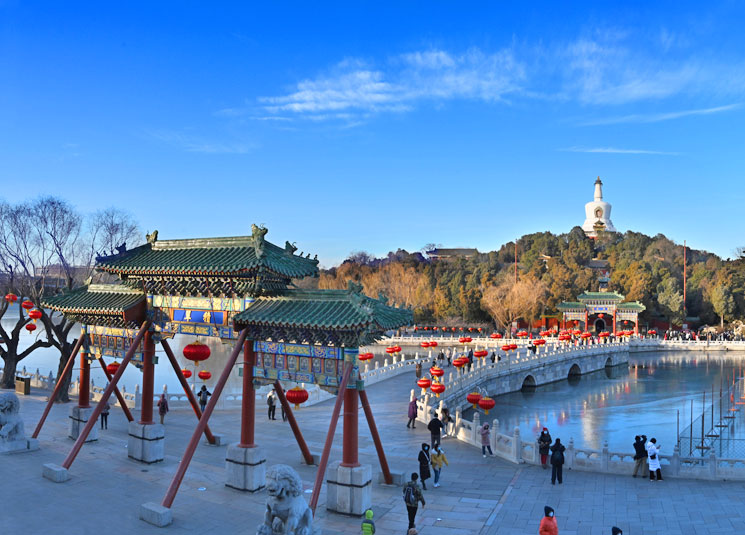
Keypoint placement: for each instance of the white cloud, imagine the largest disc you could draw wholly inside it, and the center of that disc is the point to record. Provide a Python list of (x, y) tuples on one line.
[(659, 117), (614, 150), (191, 143)]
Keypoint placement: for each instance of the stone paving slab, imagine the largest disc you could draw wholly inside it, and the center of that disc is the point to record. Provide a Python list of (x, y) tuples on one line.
[(479, 496)]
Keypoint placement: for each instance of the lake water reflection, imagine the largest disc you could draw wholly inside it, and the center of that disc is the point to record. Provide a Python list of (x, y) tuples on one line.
[(616, 406)]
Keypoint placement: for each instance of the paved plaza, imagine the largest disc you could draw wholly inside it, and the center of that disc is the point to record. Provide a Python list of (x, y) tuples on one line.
[(477, 496)]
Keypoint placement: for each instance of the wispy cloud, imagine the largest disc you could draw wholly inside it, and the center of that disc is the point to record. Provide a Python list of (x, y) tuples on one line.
[(614, 150), (659, 117), (191, 143), (354, 87)]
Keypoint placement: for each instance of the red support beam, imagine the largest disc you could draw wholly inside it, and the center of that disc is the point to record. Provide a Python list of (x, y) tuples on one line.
[(248, 403), (194, 442), (349, 456), (105, 398), (329, 439), (293, 423), (58, 384), (84, 394), (118, 394), (189, 394), (376, 438), (148, 380)]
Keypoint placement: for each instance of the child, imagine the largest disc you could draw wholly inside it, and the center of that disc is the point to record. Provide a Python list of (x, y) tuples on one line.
[(368, 526)]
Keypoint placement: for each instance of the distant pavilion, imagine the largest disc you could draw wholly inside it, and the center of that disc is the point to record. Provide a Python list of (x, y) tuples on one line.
[(598, 310)]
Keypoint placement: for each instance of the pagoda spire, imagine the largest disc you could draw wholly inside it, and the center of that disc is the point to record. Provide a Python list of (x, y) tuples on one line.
[(598, 189)]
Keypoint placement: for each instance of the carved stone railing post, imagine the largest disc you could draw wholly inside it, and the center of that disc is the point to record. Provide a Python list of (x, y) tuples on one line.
[(604, 457), (713, 464), (458, 417), (475, 436), (569, 460), (675, 461), (517, 446)]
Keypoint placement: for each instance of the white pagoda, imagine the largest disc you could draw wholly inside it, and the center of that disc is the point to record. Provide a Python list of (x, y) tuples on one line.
[(597, 214)]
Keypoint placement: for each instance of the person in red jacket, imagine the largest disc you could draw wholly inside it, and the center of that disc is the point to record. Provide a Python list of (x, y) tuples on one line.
[(548, 523)]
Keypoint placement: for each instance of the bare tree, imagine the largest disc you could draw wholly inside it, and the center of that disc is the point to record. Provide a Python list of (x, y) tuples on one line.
[(508, 301), (47, 246)]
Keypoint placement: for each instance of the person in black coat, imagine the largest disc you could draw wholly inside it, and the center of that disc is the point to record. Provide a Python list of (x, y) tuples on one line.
[(424, 463), (435, 429), (640, 456), (557, 461)]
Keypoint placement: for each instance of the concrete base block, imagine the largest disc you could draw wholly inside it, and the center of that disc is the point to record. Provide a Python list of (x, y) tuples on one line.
[(316, 459), (245, 468), (155, 514), (55, 473), (146, 442), (219, 440), (399, 480), (19, 446), (78, 418), (349, 489)]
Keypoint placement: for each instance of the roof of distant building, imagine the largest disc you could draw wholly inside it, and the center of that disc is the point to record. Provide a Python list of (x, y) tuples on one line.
[(453, 252)]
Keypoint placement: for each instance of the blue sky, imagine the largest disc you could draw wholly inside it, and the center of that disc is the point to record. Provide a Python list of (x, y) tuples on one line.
[(370, 126)]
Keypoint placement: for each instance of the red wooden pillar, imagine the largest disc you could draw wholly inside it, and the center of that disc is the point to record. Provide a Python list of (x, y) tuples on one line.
[(349, 455), (148, 379), (636, 325), (248, 405), (84, 395), (586, 327), (614, 322)]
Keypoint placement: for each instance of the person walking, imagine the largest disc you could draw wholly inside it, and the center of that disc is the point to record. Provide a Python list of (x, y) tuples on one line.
[(544, 443), (271, 403), (615, 530), (163, 408), (413, 409), (203, 395), (548, 523), (424, 462), (445, 418), (653, 451), (412, 497), (418, 370), (368, 526), (105, 416), (438, 459), (435, 430), (485, 440), (450, 358), (640, 457), (557, 461)]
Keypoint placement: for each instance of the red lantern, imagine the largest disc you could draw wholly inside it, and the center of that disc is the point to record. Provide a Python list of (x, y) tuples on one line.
[(522, 334), (460, 362), (436, 371), (652, 332), (204, 375), (498, 336), (390, 350), (480, 354), (493, 336), (470, 329), (513, 346), (487, 404), (34, 314), (481, 329), (297, 396), (197, 352), (453, 329), (433, 344), (604, 334), (434, 328), (28, 305), (601, 315), (424, 384), (186, 373), (586, 335), (506, 347), (473, 398), (437, 388), (365, 356), (30, 327), (424, 344), (539, 342), (113, 367), (576, 332), (461, 329), (11, 298)]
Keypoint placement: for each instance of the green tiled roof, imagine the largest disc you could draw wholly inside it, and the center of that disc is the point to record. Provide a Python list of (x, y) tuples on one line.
[(95, 299), (570, 305), (324, 309), (633, 305), (601, 295), (239, 256)]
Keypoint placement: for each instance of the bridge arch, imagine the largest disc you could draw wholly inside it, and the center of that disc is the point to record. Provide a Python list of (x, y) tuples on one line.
[(528, 383), (574, 371), (609, 362)]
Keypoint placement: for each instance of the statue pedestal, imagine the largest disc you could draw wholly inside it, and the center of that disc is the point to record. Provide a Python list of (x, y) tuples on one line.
[(79, 416), (349, 489), (245, 468), (146, 442), (19, 446)]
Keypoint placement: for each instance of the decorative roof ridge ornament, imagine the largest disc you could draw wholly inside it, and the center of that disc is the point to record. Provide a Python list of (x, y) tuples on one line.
[(290, 248), (152, 237), (257, 239), (382, 297)]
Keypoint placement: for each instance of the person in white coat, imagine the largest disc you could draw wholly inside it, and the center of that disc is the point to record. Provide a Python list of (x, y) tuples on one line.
[(653, 457)]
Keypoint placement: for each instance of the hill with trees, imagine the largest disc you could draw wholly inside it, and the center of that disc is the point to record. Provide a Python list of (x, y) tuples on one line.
[(551, 269)]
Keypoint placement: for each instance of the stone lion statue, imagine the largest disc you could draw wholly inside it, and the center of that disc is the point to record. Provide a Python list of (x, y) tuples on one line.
[(11, 425), (286, 510)]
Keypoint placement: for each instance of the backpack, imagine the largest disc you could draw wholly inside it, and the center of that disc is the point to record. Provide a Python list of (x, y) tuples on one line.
[(557, 457), (409, 496), (269, 400)]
